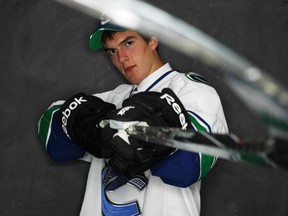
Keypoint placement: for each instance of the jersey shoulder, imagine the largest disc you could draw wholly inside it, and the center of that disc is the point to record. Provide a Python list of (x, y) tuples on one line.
[(191, 82)]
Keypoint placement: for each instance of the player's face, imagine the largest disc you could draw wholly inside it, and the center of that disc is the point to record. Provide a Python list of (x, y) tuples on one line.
[(132, 55)]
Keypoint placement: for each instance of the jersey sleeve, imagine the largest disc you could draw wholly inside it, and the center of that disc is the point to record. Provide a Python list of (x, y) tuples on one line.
[(205, 111), (57, 144)]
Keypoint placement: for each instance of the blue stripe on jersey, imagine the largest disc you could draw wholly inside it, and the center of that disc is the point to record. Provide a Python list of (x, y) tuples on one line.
[(184, 168), (158, 80), (180, 169), (59, 146)]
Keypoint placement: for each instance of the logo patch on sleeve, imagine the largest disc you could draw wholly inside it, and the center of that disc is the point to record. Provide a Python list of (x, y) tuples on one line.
[(196, 77)]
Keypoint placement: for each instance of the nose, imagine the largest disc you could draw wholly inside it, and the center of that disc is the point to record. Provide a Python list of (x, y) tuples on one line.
[(122, 56)]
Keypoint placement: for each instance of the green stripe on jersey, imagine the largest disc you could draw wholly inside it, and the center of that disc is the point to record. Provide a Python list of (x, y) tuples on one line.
[(207, 161), (44, 127)]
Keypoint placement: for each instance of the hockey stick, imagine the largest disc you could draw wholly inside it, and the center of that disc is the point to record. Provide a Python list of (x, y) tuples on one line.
[(266, 97), (267, 152), (261, 93)]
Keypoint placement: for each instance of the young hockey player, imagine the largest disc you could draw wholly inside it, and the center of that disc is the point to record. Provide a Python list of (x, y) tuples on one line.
[(130, 177)]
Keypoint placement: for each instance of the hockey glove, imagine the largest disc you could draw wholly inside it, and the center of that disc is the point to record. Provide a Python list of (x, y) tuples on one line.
[(81, 117), (147, 109)]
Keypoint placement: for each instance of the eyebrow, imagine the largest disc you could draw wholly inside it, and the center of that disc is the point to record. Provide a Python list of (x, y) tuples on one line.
[(126, 39), (122, 42)]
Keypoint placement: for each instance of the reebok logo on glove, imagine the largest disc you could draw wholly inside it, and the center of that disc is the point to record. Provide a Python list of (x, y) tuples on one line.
[(67, 112), (177, 109)]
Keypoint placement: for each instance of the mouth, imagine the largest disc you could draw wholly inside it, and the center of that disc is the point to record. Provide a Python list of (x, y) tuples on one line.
[(129, 68)]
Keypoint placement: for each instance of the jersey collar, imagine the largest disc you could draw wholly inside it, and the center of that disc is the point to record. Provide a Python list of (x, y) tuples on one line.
[(153, 79)]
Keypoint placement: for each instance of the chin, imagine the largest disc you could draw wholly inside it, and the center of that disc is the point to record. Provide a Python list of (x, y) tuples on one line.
[(133, 81)]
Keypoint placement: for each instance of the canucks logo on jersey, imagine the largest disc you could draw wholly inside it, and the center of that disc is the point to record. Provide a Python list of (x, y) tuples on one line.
[(111, 180), (196, 77)]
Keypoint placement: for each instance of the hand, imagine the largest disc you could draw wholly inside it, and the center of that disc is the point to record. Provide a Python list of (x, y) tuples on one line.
[(81, 116), (147, 108)]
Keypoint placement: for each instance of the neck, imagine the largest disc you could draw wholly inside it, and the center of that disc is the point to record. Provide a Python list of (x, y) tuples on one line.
[(158, 63)]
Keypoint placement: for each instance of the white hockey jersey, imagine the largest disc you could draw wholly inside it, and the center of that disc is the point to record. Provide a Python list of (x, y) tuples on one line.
[(172, 188)]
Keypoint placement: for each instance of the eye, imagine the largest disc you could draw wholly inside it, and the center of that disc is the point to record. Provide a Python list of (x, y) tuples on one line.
[(111, 52), (129, 43)]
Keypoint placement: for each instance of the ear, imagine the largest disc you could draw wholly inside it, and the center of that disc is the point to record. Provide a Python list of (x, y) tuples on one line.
[(153, 42)]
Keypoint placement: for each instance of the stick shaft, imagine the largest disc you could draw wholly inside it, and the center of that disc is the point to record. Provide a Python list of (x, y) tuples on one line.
[(225, 146)]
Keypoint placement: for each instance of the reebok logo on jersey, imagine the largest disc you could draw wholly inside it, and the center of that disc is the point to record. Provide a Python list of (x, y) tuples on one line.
[(177, 109), (124, 110), (67, 112)]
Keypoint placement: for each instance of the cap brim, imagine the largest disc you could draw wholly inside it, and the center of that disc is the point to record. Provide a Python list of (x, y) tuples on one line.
[(95, 41)]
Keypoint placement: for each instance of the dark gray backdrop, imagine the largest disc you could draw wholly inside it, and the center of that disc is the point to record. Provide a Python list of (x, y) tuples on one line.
[(44, 57)]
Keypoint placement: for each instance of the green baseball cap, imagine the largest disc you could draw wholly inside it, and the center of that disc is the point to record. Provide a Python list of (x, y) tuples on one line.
[(105, 24)]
